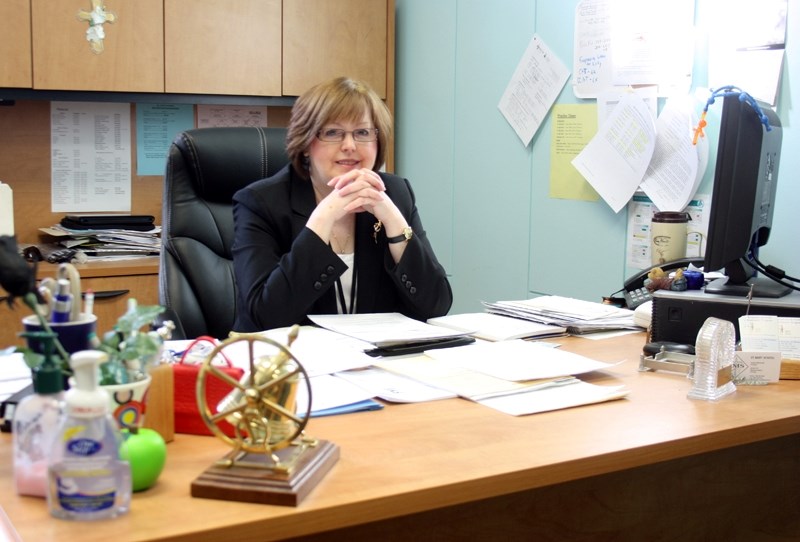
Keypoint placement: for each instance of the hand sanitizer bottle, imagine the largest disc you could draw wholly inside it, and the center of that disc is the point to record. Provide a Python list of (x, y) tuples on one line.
[(86, 478), (36, 421)]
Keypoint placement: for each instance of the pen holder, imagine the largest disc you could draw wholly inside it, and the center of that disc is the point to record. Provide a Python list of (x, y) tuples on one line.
[(73, 336)]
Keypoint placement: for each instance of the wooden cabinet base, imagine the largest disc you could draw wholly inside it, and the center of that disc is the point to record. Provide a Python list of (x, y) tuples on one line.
[(265, 486)]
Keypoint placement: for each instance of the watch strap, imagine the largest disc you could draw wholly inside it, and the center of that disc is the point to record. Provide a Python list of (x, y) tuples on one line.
[(405, 236)]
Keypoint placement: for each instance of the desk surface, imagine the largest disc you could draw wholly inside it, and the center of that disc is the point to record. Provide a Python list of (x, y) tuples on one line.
[(411, 458)]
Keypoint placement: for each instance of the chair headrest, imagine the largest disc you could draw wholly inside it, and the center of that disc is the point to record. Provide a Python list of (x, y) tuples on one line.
[(240, 155)]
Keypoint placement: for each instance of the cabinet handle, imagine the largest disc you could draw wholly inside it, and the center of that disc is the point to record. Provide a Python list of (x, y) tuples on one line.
[(107, 294)]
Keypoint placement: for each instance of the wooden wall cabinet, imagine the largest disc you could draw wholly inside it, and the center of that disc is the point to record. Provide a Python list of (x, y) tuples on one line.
[(324, 39), (247, 47), (273, 48), (214, 47), (133, 56), (15, 44)]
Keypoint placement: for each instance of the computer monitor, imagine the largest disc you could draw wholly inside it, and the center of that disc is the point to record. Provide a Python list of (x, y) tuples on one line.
[(743, 199)]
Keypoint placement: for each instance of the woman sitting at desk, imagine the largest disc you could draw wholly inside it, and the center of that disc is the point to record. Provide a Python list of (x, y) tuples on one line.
[(329, 233)]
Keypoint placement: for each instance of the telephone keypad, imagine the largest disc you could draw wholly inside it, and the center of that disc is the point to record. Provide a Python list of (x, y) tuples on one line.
[(636, 297)]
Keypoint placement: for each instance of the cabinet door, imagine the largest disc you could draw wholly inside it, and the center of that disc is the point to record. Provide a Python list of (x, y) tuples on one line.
[(133, 49), (15, 43), (329, 38), (213, 47)]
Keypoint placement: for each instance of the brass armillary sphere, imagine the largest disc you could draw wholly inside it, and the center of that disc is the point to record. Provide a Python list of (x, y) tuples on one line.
[(262, 406)]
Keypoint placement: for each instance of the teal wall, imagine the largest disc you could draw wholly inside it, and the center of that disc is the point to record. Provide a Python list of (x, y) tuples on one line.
[(484, 197)]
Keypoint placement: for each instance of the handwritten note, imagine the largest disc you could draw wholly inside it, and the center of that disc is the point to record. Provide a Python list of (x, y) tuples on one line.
[(592, 58), (534, 87), (628, 42)]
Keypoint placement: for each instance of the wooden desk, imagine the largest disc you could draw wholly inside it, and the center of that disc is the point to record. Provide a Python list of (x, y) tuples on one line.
[(654, 466)]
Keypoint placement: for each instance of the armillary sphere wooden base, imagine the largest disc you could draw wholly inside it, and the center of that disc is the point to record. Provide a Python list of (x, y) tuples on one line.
[(265, 485)]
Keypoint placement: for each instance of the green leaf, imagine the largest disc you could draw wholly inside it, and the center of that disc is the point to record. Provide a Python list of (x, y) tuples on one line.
[(138, 318), (32, 359)]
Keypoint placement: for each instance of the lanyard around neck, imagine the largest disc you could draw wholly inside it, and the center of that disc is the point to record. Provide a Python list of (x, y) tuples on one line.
[(340, 293)]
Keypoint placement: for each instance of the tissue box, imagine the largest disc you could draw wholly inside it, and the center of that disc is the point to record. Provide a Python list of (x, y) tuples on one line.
[(187, 415)]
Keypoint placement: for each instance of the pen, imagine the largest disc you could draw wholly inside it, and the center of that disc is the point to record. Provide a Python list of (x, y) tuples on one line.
[(47, 296), (70, 273), (418, 348), (62, 304), (88, 301)]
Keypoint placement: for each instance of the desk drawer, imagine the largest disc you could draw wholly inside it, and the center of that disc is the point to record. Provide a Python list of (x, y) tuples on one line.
[(108, 308)]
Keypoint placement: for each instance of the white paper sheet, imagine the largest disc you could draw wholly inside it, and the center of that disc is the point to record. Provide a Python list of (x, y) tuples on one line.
[(618, 43), (534, 87), (383, 329), (608, 100), (494, 327), (14, 375), (90, 155), (6, 209), (677, 165), (393, 387), (319, 351), (518, 360), (616, 159), (328, 391), (572, 394), (746, 48)]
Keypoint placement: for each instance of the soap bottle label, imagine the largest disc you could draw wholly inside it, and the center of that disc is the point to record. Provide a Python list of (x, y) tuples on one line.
[(88, 480)]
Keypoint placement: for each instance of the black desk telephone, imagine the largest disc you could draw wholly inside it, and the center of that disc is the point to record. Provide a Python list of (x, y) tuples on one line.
[(634, 291)]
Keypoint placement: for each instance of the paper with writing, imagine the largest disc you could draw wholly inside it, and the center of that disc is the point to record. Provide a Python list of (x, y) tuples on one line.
[(616, 159)]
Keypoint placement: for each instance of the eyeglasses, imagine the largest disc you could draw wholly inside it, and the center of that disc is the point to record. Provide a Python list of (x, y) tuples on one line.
[(361, 135)]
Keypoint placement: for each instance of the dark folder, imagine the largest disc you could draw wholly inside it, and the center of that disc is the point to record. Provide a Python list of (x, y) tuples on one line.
[(109, 222)]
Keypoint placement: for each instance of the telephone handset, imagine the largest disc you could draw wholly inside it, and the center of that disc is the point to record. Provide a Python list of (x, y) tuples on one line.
[(637, 280), (634, 291)]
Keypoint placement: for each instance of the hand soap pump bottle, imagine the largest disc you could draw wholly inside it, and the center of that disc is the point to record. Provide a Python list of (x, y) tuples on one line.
[(87, 479), (36, 421)]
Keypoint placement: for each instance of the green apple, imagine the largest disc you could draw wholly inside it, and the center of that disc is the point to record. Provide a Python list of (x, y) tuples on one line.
[(146, 452)]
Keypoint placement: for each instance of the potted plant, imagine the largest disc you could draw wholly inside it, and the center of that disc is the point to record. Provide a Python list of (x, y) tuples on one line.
[(130, 348)]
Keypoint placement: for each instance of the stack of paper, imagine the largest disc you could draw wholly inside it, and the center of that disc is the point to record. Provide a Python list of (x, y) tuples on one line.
[(576, 315), (516, 377), (513, 376), (332, 395), (494, 327), (108, 244), (383, 330)]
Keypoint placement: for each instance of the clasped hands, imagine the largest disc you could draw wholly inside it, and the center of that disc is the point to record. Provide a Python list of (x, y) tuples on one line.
[(362, 190)]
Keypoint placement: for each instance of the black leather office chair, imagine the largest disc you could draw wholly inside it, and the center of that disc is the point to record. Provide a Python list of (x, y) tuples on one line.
[(205, 168)]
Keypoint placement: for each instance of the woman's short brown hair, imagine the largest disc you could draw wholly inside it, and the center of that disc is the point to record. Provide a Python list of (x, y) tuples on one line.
[(340, 99)]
